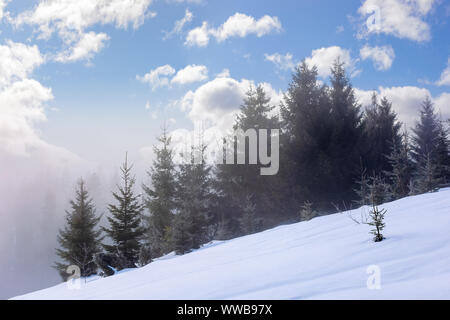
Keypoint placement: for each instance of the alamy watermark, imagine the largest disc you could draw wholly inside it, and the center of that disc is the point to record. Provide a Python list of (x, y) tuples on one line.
[(251, 147), (374, 279)]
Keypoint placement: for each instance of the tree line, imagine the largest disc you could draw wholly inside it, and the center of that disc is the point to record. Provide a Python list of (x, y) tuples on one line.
[(334, 155)]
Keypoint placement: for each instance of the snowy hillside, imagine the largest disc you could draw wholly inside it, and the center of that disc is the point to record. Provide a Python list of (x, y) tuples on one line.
[(325, 258)]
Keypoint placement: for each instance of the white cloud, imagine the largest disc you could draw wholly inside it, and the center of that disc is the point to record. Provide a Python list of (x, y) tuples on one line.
[(238, 25), (406, 101), (212, 108), (22, 102), (198, 36), (324, 58), (70, 19), (225, 73), (179, 24), (162, 76), (283, 62), (445, 76), (400, 18), (3, 4), (191, 73), (89, 44), (17, 61), (218, 100), (158, 77), (382, 56)]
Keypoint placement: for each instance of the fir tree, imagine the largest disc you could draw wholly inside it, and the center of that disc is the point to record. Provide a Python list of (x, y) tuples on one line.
[(426, 135), (182, 236), (193, 201), (234, 182), (249, 220), (381, 130), (377, 221), (160, 198), (427, 178), (443, 153), (125, 229), (402, 169), (79, 239)]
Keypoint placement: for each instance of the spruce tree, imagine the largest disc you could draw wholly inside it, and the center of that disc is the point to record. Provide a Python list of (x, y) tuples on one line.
[(306, 131), (79, 240), (377, 221), (344, 148), (192, 201), (235, 181), (402, 169), (125, 229), (249, 220), (381, 130), (443, 154), (427, 176), (426, 135), (160, 198)]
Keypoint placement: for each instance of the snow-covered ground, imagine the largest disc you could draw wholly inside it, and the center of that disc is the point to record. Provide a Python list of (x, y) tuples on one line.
[(325, 258)]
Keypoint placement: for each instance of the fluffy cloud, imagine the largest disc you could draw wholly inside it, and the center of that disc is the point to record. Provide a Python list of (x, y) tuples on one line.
[(445, 76), (17, 61), (238, 25), (190, 74), (400, 18), (283, 62), (324, 58), (220, 99), (179, 24), (70, 19), (225, 73), (406, 101), (212, 108), (22, 102), (158, 77), (89, 44), (3, 4), (382, 56)]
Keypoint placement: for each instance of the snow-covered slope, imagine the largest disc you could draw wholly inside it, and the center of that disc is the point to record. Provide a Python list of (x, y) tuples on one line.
[(325, 258)]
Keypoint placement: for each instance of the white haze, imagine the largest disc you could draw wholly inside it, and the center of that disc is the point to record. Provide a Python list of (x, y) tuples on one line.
[(34, 194)]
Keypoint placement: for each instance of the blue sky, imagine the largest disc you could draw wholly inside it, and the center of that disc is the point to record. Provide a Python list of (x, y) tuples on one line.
[(100, 104)]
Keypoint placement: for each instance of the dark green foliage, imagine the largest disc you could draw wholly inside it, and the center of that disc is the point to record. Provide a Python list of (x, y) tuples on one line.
[(183, 227), (426, 135), (402, 168), (382, 130), (79, 240), (443, 153), (160, 198), (234, 182), (249, 222), (192, 202), (324, 132), (125, 229), (377, 221)]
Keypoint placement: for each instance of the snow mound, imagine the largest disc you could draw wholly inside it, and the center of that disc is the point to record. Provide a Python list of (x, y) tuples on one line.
[(325, 258)]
